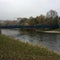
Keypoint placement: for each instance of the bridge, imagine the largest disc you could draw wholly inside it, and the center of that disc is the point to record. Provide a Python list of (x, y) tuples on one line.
[(28, 27)]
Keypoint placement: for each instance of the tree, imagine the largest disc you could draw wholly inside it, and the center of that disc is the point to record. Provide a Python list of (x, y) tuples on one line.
[(23, 21), (40, 19), (53, 17), (32, 21), (51, 14)]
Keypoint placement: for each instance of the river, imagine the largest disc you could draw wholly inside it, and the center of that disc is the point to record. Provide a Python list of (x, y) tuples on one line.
[(51, 41)]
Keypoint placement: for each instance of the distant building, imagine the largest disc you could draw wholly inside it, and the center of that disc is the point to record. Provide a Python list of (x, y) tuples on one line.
[(1, 21), (8, 22)]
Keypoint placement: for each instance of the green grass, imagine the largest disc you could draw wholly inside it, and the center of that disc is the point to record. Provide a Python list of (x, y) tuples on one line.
[(11, 49)]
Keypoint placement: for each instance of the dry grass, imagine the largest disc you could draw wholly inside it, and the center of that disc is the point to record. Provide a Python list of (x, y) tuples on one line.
[(11, 49)]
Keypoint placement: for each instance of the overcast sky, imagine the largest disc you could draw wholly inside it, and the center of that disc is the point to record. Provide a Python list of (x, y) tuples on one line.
[(12, 9)]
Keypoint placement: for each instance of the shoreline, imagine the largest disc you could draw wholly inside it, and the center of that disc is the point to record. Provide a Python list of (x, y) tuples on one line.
[(56, 32)]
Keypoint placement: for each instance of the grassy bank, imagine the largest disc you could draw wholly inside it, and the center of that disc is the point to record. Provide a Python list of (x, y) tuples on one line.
[(11, 49)]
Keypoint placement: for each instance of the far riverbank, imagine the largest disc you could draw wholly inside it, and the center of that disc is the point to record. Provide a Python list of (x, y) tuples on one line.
[(58, 32)]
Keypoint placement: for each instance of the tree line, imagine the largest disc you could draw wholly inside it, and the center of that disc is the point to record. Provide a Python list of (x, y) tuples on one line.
[(51, 18)]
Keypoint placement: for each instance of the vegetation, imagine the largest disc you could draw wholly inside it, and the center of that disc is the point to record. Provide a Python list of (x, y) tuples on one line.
[(51, 18), (11, 49)]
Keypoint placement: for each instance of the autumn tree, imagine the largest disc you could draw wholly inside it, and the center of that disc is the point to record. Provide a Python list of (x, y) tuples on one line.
[(32, 21), (40, 19)]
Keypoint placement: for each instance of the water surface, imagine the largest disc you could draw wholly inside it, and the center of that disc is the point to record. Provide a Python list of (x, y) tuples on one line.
[(51, 41)]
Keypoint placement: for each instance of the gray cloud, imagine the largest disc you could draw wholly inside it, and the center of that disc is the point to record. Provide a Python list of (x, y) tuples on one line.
[(11, 9)]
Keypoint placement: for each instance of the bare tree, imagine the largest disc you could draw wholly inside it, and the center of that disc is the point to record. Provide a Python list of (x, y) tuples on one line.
[(53, 17), (51, 14)]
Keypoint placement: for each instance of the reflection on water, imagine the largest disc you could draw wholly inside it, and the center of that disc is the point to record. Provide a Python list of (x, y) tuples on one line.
[(52, 41)]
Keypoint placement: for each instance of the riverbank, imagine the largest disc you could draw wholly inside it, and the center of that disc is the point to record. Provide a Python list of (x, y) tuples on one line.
[(51, 32), (11, 49), (43, 31)]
